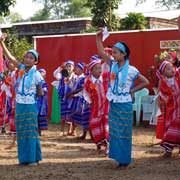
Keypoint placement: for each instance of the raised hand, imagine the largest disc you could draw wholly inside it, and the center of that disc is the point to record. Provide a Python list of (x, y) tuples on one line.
[(3, 37)]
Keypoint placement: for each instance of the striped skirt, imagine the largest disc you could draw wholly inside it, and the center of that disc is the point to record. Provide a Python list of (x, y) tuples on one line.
[(120, 132), (29, 149), (42, 122)]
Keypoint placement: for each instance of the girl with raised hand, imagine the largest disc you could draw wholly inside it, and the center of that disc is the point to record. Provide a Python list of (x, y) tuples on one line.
[(120, 95), (28, 87)]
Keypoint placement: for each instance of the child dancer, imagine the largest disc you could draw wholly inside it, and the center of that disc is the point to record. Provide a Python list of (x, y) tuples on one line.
[(43, 105), (80, 110), (120, 92), (10, 81), (95, 88), (28, 87), (66, 80), (5, 94), (169, 95)]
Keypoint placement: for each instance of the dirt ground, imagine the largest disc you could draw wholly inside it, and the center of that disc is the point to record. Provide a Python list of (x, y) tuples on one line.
[(72, 159)]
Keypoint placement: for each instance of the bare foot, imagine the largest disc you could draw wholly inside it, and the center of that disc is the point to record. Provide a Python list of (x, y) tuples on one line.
[(10, 146), (42, 138), (167, 155), (122, 166), (71, 134), (106, 151), (33, 164), (62, 134), (82, 137)]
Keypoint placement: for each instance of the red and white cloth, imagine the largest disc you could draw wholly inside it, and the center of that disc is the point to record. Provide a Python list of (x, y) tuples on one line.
[(170, 129), (95, 93)]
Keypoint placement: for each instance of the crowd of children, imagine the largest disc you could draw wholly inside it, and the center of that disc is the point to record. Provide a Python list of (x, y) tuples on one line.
[(98, 96)]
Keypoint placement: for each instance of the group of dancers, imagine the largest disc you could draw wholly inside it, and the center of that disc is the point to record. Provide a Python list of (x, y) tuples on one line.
[(99, 97)]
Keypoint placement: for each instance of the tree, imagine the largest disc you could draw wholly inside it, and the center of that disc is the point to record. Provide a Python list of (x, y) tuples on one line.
[(41, 15), (169, 4), (4, 6), (53, 7), (77, 8), (14, 18), (17, 46), (133, 21), (103, 13)]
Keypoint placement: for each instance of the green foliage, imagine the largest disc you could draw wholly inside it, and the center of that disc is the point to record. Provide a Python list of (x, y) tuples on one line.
[(77, 8), (90, 30), (17, 46), (41, 15), (4, 6), (133, 21), (14, 18), (57, 9), (169, 4), (54, 8), (103, 13)]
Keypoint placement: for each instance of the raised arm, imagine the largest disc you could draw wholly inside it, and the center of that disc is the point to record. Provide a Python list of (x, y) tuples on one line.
[(57, 73), (100, 47), (7, 52)]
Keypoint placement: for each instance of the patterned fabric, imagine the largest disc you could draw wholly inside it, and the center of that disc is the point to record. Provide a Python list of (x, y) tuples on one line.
[(99, 108), (118, 92), (121, 115), (93, 63), (80, 111), (5, 102), (4, 120), (65, 87), (160, 127), (43, 109), (27, 94), (12, 102), (169, 93), (29, 149), (120, 131)]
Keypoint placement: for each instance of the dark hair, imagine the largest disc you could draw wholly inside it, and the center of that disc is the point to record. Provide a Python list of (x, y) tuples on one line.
[(127, 50), (64, 73), (177, 62)]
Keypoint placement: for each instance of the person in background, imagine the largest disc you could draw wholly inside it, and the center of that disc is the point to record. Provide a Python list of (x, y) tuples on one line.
[(43, 105), (66, 81), (11, 81), (169, 95), (80, 110), (95, 89), (172, 57)]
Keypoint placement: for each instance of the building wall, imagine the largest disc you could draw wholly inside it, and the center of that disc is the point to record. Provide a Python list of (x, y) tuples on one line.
[(156, 23)]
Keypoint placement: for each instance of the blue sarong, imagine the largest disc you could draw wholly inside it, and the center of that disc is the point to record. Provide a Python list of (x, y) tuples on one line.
[(29, 148), (120, 132)]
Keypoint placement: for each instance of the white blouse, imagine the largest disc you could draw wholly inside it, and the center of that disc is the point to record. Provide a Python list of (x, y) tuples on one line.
[(26, 95), (124, 91)]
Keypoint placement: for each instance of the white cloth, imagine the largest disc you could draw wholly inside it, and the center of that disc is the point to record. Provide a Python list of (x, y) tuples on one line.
[(57, 73), (86, 94), (55, 84), (5, 88), (124, 95), (28, 96), (105, 34)]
